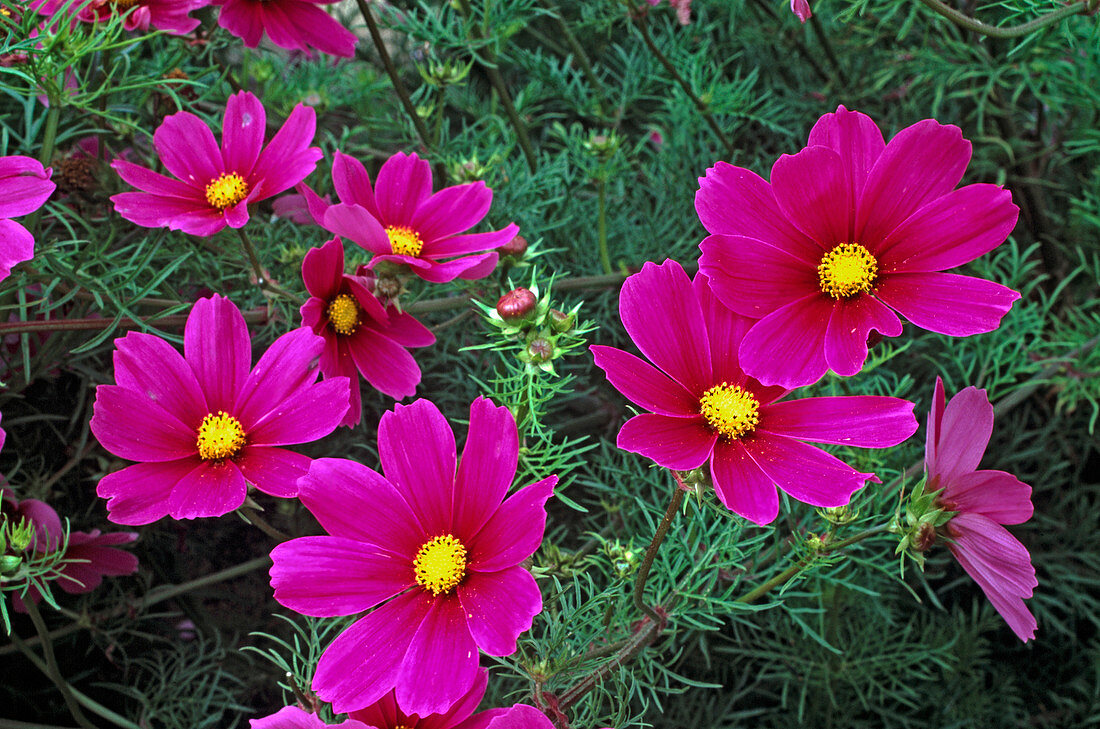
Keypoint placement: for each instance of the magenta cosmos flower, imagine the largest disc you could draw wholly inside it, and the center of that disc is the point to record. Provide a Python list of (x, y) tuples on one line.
[(386, 713), (435, 549), (291, 24), (361, 335), (216, 185), (957, 437), (292, 717), (205, 427), (850, 231), (704, 407), (404, 223), (24, 187), (170, 15)]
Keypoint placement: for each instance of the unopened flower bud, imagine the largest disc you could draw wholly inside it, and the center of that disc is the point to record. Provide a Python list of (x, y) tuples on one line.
[(515, 247), (516, 304), (560, 321)]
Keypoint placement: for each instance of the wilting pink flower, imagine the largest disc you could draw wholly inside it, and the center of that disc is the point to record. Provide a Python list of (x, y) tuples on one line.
[(205, 427), (957, 437), (435, 550), (216, 185), (404, 223), (294, 208), (801, 8), (386, 713), (683, 9), (361, 335), (291, 717), (24, 187), (88, 558), (849, 231), (292, 24), (704, 407), (170, 15)]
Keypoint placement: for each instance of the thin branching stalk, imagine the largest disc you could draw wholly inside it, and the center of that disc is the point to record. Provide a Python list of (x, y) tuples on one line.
[(262, 279), (252, 516), (807, 56), (1012, 31), (651, 554), (49, 139), (51, 668), (601, 224)]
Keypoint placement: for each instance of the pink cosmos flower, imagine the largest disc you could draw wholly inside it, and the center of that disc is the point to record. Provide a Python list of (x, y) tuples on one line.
[(704, 407), (435, 549), (801, 8), (683, 9), (205, 427), (361, 335), (24, 187), (216, 185), (850, 231), (404, 223), (957, 437), (387, 714), (292, 24), (292, 717), (170, 15)]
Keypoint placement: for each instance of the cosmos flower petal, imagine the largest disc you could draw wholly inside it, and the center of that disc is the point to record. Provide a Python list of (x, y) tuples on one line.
[(212, 488), (498, 607), (404, 329), (866, 421), (283, 370), (353, 501), (385, 364), (308, 414), (488, 464), (323, 268), (850, 323), (460, 245), (668, 328), (514, 531), (352, 183), (968, 417), (752, 277), (131, 425), (451, 211), (725, 330), (812, 191), (287, 159), (331, 576), (787, 347), (737, 202), (801, 10), (852, 135), (292, 717), (441, 663), (806, 473), (357, 225), (417, 448), (643, 384), (217, 346), (26, 185), (404, 184), (951, 230), (469, 268), (347, 681), (187, 149), (192, 216), (298, 24), (243, 131), (933, 429), (138, 494), (274, 471), (677, 443), (153, 182), (172, 385), (741, 485), (947, 303), (240, 20), (921, 163), (520, 716), (995, 495), (16, 246), (93, 558)]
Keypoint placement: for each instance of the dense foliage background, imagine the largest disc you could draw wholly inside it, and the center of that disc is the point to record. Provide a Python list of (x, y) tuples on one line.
[(617, 112)]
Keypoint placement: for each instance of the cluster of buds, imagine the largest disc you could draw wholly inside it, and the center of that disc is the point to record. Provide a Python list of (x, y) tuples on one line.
[(624, 560), (920, 527), (523, 316)]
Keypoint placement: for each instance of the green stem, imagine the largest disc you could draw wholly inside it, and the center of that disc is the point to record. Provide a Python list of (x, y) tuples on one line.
[(795, 569), (45, 156), (651, 554), (252, 516), (262, 280), (51, 668), (1012, 31), (601, 224), (823, 38), (391, 71)]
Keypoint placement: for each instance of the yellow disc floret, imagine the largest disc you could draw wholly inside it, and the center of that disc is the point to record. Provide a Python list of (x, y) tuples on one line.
[(343, 314), (221, 436), (847, 270), (440, 564), (226, 190), (123, 5), (730, 410), (404, 241)]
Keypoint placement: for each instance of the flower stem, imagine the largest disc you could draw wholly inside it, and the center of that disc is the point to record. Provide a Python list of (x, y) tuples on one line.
[(45, 156), (651, 554), (601, 224), (395, 78), (172, 321), (51, 668), (252, 516), (262, 280), (1011, 31)]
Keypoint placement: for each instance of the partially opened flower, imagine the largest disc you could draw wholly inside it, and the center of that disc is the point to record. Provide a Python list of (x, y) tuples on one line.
[(24, 187), (386, 713), (292, 24), (849, 231), (433, 547), (215, 185), (202, 424), (984, 500), (361, 335), (404, 223), (801, 9), (705, 408)]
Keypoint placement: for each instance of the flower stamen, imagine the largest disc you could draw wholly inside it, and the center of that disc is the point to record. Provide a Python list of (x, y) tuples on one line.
[(440, 564), (404, 241), (847, 270), (343, 314), (226, 190), (730, 410), (221, 436)]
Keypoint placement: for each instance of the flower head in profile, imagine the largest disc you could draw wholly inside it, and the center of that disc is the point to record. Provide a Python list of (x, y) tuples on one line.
[(173, 16), (849, 233), (801, 9), (215, 185), (361, 335), (24, 187), (434, 547), (983, 500), (401, 221), (703, 407), (292, 24), (204, 425), (292, 717)]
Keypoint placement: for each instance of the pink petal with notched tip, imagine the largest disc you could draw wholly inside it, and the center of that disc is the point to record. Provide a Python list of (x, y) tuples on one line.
[(131, 425), (323, 270), (499, 607), (441, 663), (947, 303), (25, 185), (965, 426), (217, 347), (16, 246), (741, 485), (403, 184), (240, 20), (417, 448), (307, 415), (487, 467), (996, 495), (385, 364), (212, 488), (353, 185), (469, 243), (243, 132), (512, 533), (187, 149), (805, 473), (812, 191), (673, 442), (288, 159), (853, 136), (849, 325), (865, 421), (752, 277), (294, 24), (139, 494), (171, 383), (643, 384), (787, 347)]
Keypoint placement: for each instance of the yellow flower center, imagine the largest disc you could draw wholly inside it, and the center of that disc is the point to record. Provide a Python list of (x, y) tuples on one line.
[(404, 241), (847, 270), (221, 436), (440, 564), (343, 314), (123, 5), (226, 190), (730, 410)]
